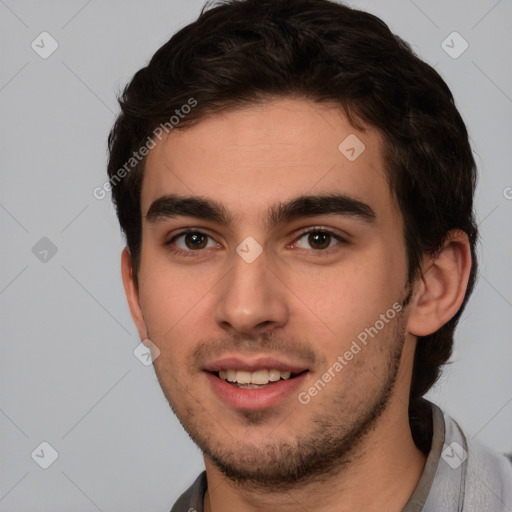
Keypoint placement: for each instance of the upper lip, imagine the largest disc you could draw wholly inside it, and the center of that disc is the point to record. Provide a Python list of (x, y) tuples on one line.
[(253, 364)]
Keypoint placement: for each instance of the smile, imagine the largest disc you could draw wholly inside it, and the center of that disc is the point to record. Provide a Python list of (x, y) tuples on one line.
[(256, 379)]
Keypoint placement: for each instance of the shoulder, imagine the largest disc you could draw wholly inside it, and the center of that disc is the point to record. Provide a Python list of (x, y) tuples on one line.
[(488, 479), (486, 475)]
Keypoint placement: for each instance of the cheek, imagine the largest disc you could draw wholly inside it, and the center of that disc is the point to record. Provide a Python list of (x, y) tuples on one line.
[(343, 300), (173, 299)]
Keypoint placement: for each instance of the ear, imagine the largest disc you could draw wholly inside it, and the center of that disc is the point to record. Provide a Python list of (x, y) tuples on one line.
[(440, 290), (132, 293)]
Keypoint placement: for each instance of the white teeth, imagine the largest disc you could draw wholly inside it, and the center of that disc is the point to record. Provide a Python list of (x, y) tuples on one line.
[(243, 377), (260, 377), (274, 375)]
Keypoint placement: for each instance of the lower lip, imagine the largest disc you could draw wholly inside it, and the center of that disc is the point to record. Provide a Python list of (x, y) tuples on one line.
[(254, 399)]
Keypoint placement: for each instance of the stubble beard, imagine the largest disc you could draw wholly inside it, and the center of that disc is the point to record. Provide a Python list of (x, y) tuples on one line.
[(311, 457)]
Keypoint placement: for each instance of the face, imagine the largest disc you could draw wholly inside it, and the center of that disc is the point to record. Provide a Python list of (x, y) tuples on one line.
[(272, 273)]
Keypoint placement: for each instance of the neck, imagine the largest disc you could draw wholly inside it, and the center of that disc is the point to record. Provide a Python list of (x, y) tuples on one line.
[(380, 474)]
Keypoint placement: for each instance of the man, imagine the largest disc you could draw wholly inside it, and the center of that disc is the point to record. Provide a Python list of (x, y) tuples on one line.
[(296, 190)]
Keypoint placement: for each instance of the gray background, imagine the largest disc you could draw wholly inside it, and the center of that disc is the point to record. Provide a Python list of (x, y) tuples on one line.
[(68, 375)]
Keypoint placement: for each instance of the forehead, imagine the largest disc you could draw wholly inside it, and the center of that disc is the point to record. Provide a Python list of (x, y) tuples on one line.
[(252, 158)]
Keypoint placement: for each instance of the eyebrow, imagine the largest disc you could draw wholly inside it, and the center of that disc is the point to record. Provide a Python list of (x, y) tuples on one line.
[(172, 206)]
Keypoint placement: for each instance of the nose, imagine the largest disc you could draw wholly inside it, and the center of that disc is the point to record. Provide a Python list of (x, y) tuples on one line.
[(251, 300)]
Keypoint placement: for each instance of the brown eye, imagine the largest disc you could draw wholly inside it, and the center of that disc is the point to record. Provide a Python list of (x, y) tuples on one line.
[(319, 240), (196, 240), (192, 241)]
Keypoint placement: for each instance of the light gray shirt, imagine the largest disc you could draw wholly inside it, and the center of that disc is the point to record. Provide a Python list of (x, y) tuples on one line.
[(460, 475)]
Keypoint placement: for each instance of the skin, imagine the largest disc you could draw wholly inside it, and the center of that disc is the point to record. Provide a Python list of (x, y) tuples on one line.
[(295, 301)]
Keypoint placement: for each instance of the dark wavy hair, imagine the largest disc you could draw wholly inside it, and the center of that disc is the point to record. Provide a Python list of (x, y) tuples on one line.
[(240, 52)]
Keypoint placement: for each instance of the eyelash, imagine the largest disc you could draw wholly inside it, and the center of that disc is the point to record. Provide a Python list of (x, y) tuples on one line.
[(319, 229), (181, 252), (308, 231)]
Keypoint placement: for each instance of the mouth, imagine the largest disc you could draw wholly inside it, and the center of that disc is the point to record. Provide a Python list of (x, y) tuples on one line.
[(255, 384), (259, 379)]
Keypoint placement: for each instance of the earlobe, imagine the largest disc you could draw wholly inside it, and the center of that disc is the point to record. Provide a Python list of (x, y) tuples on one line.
[(132, 293), (442, 286)]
